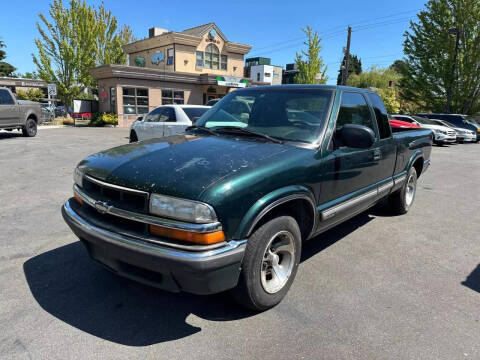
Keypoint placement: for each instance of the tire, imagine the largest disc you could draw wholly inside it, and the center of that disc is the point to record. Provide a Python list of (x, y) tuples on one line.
[(133, 137), (276, 244), (401, 201), (30, 128)]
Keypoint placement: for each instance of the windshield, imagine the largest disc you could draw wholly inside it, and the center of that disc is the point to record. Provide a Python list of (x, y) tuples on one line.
[(286, 114), (194, 112)]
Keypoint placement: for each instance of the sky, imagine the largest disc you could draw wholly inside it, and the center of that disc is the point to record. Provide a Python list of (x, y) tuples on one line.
[(273, 28)]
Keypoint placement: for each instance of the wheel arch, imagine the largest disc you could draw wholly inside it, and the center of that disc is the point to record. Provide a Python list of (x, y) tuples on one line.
[(296, 201), (416, 160)]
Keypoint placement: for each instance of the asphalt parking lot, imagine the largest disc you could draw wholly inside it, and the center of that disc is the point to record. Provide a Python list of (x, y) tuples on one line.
[(376, 287)]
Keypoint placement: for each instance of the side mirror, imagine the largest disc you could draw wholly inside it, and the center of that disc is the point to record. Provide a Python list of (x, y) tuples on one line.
[(140, 118), (195, 119), (356, 136)]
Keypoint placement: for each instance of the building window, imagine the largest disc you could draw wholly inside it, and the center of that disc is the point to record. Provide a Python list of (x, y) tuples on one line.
[(224, 62), (267, 75), (172, 97), (258, 76), (170, 56), (135, 101), (200, 58), (212, 57)]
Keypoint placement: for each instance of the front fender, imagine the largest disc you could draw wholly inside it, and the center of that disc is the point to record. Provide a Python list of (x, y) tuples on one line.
[(270, 201)]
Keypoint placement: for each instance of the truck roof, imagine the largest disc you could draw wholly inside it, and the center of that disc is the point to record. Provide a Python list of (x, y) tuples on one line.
[(307, 86)]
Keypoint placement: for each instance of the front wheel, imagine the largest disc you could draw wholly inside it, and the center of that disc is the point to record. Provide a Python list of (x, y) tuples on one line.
[(30, 128), (270, 264), (133, 137), (402, 199)]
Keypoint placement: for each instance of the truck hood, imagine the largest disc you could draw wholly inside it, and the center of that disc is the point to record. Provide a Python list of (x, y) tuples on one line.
[(179, 165)]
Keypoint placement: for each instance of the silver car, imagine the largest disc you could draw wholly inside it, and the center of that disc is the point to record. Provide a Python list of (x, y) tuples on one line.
[(166, 120)]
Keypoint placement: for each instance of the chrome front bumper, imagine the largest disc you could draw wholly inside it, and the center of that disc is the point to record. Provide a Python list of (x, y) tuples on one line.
[(199, 272)]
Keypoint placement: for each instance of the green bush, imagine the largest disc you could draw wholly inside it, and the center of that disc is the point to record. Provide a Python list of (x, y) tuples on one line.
[(102, 119), (30, 94)]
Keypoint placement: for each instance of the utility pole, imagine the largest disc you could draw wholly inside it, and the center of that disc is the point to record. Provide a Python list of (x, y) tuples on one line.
[(452, 73), (347, 56)]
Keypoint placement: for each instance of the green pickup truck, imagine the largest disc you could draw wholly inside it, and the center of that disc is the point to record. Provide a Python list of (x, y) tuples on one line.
[(228, 204)]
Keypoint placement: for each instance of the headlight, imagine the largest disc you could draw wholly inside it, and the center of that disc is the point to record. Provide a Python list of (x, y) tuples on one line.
[(185, 210), (78, 177)]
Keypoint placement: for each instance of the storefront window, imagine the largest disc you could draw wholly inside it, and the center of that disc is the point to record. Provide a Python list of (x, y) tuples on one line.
[(172, 97), (135, 100), (200, 58), (224, 62), (170, 57)]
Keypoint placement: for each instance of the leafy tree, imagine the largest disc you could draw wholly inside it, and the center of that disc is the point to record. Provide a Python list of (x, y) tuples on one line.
[(383, 80), (399, 66), (311, 69), (429, 50), (354, 67), (30, 94), (5, 68), (78, 38)]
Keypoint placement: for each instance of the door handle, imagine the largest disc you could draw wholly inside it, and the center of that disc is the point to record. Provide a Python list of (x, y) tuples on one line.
[(377, 155)]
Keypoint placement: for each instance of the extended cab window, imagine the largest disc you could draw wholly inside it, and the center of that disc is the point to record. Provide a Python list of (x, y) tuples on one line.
[(381, 115), (286, 114), (354, 110), (6, 98)]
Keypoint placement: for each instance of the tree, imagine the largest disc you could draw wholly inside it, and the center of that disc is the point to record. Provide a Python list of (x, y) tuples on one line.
[(5, 68), (311, 70), (77, 38), (399, 66), (429, 50), (30, 94), (383, 81), (354, 67)]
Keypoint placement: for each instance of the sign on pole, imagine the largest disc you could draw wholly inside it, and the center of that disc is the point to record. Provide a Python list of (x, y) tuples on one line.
[(52, 90)]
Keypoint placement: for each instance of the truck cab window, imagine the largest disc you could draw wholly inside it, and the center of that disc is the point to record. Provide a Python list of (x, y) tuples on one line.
[(354, 110), (6, 98)]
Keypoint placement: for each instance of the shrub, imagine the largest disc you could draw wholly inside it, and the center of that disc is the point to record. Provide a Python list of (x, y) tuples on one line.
[(30, 94), (102, 119)]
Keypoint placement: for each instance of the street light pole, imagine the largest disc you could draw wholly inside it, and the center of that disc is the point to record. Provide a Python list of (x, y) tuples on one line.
[(452, 73)]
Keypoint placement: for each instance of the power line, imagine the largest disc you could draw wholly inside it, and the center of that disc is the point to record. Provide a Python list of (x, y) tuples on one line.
[(325, 34)]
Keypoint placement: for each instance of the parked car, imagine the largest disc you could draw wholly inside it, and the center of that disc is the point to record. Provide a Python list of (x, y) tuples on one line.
[(18, 114), (212, 102), (457, 120), (62, 111), (402, 124), (48, 112), (463, 135), (228, 206), (166, 120), (443, 134)]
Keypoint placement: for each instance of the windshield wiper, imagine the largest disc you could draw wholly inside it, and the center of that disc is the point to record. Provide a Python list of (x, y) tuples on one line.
[(201, 128), (239, 130)]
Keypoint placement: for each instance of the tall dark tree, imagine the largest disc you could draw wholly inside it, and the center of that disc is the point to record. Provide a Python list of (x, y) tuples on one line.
[(429, 47), (354, 67), (399, 66), (5, 68)]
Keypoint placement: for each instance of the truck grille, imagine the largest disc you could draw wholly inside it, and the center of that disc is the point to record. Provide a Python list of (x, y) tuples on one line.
[(120, 197)]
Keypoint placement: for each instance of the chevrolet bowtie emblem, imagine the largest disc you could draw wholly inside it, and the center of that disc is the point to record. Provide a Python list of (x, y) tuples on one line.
[(101, 207)]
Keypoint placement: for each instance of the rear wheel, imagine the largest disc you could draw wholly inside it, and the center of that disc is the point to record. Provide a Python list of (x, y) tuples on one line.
[(133, 136), (270, 264), (30, 128), (401, 200)]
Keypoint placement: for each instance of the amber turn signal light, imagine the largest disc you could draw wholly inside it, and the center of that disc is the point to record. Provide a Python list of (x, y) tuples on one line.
[(197, 238), (78, 198)]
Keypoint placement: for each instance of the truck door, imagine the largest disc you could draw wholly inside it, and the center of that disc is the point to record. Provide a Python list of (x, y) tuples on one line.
[(9, 112), (350, 173)]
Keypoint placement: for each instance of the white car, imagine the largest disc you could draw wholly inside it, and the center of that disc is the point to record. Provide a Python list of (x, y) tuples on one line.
[(443, 134), (166, 120), (467, 135)]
